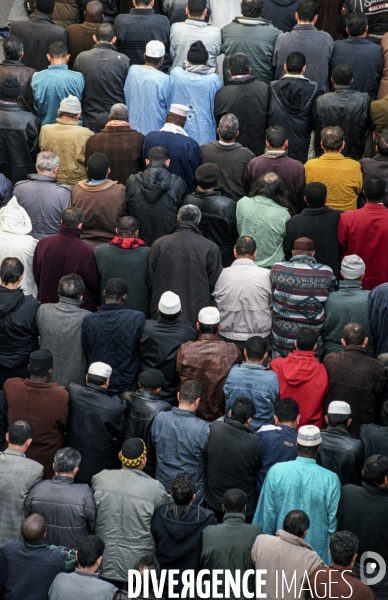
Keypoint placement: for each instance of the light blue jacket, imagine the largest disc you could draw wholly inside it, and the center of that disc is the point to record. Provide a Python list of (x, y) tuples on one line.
[(146, 92), (301, 485), (51, 86), (256, 382)]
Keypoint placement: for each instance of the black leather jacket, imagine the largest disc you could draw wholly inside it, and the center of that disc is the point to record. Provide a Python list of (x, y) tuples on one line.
[(19, 139), (342, 454)]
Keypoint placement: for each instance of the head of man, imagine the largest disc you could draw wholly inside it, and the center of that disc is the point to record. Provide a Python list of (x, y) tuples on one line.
[(374, 189), (209, 320), (70, 109), (47, 163), (119, 112), (152, 380), (158, 155), (245, 247), (338, 413), (354, 334), (270, 185), (127, 227), (154, 54), (303, 247), (228, 128), (13, 48), (243, 410), (19, 436), (72, 217), (98, 167), (189, 214), (148, 563), (375, 471), (196, 9), (169, 306), (332, 139), (189, 395), (71, 286), (296, 522), (99, 374), (67, 462), (89, 553), (34, 529), (276, 138), (309, 441), (46, 7), (11, 272), (183, 489), (116, 291), (315, 194), (252, 8), (352, 268), (133, 454), (306, 340), (177, 115), (105, 34), (287, 412), (382, 143), (41, 365), (206, 177), (10, 90), (238, 64), (342, 76), (234, 501), (344, 548), (307, 12), (295, 63), (356, 24), (94, 12), (58, 54), (256, 350)]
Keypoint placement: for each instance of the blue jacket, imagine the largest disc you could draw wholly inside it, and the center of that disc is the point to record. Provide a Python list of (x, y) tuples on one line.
[(51, 86), (112, 336), (277, 444), (145, 87), (301, 485), (256, 382)]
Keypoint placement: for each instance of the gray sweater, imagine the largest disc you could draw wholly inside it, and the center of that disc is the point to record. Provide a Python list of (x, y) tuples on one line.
[(73, 586)]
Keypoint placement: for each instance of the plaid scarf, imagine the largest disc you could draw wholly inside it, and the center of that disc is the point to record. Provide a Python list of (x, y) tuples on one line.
[(127, 243)]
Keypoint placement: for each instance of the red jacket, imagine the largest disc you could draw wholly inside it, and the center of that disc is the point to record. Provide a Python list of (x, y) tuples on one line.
[(304, 379), (365, 232)]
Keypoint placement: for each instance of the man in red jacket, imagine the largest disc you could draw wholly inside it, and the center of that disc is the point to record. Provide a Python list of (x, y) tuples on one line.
[(303, 378)]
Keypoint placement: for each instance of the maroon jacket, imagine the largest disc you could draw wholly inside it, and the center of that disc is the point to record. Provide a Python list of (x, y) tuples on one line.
[(63, 254)]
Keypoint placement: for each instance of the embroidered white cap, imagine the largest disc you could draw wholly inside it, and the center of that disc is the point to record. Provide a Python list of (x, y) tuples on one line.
[(101, 369), (169, 303), (155, 49), (179, 109), (309, 435), (338, 407), (209, 316)]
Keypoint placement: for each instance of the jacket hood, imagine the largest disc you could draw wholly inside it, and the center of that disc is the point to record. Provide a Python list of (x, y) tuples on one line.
[(10, 300), (14, 219), (300, 367), (180, 525), (154, 182), (294, 94)]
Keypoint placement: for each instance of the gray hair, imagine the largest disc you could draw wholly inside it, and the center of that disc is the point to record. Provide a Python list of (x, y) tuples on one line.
[(189, 214), (66, 460), (47, 161), (119, 112), (228, 127)]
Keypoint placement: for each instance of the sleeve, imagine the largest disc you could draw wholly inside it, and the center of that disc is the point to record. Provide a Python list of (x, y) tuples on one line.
[(84, 336), (195, 158), (153, 261), (3, 571), (92, 279), (65, 410), (33, 137), (343, 232), (266, 515), (288, 242), (359, 180), (173, 41), (213, 267), (247, 178), (163, 497), (333, 498), (90, 511)]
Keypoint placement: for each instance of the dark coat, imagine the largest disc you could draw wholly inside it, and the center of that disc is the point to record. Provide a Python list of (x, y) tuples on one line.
[(37, 34), (80, 39), (218, 220), (142, 407), (63, 254), (291, 105), (66, 12), (19, 141), (378, 307), (105, 90), (154, 198), (18, 330), (341, 579), (281, 13), (378, 167), (247, 99), (329, 17), (186, 263), (159, 346), (6, 188), (15, 68), (234, 451), (375, 439), (112, 336), (356, 379), (94, 428), (3, 420), (232, 160), (342, 454), (320, 225)]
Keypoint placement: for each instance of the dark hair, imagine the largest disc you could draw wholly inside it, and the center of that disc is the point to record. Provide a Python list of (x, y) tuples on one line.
[(296, 522), (256, 347), (382, 143), (242, 410), (343, 546), (96, 379), (97, 166), (375, 470), (295, 62), (385, 412), (45, 7), (276, 136), (238, 64), (306, 338), (158, 154), (190, 391), (90, 548), (183, 489), (115, 288), (149, 563), (196, 7), (356, 23), (332, 137), (58, 50), (34, 528), (251, 8), (245, 245), (11, 270), (127, 225), (307, 10), (342, 75), (71, 286), (354, 334), (72, 217), (66, 460), (13, 48), (234, 501), (105, 32), (286, 410), (374, 188), (152, 60), (271, 186), (335, 420), (19, 432), (316, 194), (212, 329)]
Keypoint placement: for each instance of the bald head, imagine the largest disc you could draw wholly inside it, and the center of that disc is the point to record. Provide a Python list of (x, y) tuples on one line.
[(34, 528), (94, 12)]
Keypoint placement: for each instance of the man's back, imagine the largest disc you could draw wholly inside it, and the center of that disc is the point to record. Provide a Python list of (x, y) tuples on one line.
[(277, 444), (19, 134), (232, 160), (80, 39), (145, 86), (19, 334), (342, 580), (182, 35), (342, 454), (375, 439), (378, 304), (51, 86), (136, 29), (80, 584), (365, 58)]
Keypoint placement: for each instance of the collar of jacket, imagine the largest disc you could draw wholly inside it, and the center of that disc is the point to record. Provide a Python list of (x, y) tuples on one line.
[(350, 283), (185, 227), (234, 518), (303, 258), (309, 210), (85, 573), (251, 21), (113, 129), (9, 106), (308, 353), (72, 301), (305, 27), (97, 388), (238, 425), (58, 67), (164, 321), (142, 11), (275, 154), (307, 461), (38, 16), (197, 22), (208, 194), (249, 365), (209, 337), (12, 63), (156, 165), (354, 349), (14, 452), (292, 539), (380, 157), (69, 231), (62, 480), (104, 46), (98, 187), (243, 261), (89, 26), (33, 546), (60, 121), (146, 395), (337, 430), (40, 384), (241, 81), (339, 568), (111, 306), (375, 490), (44, 178), (182, 412), (226, 147)]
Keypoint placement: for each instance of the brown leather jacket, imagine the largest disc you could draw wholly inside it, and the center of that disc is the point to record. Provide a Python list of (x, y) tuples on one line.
[(15, 68), (208, 361)]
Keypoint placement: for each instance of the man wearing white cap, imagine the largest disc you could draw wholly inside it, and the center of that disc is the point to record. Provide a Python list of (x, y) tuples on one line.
[(349, 304), (339, 451), (147, 90), (302, 485), (161, 340), (95, 423), (208, 361)]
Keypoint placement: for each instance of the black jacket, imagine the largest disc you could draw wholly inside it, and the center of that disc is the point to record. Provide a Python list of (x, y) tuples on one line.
[(342, 454), (154, 198), (349, 110), (377, 15), (281, 13), (94, 428), (159, 346), (218, 221), (18, 330), (142, 407), (105, 90), (375, 439), (3, 420), (234, 451), (246, 98), (321, 226), (19, 141), (291, 105)]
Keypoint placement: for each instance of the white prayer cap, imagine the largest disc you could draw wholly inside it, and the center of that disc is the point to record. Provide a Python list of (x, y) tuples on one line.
[(14, 219), (209, 316), (169, 303), (309, 435), (101, 369), (179, 109), (155, 49), (337, 407)]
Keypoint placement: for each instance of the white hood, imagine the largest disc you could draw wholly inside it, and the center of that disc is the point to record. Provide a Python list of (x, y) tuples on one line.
[(14, 219)]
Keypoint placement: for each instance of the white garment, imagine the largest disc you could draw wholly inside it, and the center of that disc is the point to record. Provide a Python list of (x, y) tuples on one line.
[(171, 128), (224, 12)]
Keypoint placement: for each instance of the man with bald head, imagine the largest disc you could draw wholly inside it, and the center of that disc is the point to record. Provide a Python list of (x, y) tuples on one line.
[(80, 35)]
